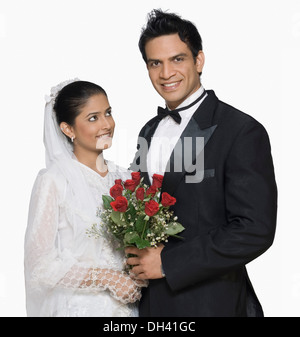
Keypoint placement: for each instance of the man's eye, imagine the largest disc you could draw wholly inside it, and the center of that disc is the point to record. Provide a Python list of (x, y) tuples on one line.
[(178, 59), (154, 63)]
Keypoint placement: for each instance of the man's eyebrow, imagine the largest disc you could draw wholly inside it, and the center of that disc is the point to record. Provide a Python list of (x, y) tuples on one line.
[(170, 58), (152, 60), (178, 55)]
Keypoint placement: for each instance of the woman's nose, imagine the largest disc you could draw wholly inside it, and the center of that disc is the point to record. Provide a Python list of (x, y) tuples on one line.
[(106, 123)]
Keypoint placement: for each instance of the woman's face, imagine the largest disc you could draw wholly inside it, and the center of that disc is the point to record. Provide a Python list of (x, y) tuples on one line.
[(94, 126)]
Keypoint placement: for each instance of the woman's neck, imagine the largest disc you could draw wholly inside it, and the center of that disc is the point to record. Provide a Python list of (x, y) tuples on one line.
[(94, 161)]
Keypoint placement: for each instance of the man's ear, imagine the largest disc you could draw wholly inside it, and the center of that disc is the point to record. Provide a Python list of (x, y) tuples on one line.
[(67, 130), (200, 59)]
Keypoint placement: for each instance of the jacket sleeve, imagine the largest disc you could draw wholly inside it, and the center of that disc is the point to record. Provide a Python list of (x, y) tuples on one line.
[(251, 206)]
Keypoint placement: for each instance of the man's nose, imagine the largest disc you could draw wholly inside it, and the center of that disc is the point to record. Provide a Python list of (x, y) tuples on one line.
[(167, 71)]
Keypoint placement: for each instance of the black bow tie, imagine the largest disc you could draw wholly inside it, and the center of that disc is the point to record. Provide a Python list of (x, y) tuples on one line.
[(164, 112)]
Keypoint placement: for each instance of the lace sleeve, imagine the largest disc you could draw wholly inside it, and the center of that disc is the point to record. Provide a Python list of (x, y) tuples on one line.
[(47, 267), (42, 264), (121, 286)]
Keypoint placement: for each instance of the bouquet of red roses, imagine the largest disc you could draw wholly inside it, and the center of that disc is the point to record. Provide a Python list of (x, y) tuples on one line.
[(135, 214)]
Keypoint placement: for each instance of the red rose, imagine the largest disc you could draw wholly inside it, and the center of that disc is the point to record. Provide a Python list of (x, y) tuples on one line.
[(120, 204), (167, 199), (116, 191), (136, 176), (118, 181), (130, 185), (151, 207), (157, 180), (151, 190), (140, 193)]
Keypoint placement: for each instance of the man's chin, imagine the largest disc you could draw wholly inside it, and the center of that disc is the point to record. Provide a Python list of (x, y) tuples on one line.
[(173, 104), (172, 99)]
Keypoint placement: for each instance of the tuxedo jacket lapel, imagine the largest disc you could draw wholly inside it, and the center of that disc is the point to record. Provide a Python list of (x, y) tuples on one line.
[(190, 145), (144, 140), (148, 137), (200, 125), (185, 157)]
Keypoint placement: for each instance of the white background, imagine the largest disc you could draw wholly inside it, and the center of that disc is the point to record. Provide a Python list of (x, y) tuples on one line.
[(252, 53)]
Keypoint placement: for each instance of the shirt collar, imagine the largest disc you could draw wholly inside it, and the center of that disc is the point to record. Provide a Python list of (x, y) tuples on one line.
[(191, 98)]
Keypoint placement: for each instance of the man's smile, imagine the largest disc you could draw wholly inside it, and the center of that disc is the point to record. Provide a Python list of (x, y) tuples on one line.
[(170, 86)]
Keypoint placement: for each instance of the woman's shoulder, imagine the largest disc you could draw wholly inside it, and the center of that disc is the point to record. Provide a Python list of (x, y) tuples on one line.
[(51, 177), (51, 172)]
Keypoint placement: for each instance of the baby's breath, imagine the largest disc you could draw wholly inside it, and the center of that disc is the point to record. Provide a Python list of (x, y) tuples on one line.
[(134, 227)]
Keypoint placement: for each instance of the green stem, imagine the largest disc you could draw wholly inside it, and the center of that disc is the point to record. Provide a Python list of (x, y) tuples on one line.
[(144, 230), (176, 236)]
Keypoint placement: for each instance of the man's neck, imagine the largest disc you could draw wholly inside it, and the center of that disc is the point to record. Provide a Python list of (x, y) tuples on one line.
[(189, 99)]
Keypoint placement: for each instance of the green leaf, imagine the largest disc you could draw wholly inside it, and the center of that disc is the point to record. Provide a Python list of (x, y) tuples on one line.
[(130, 238), (133, 238), (174, 228), (140, 224), (106, 201), (131, 209), (141, 244), (130, 213), (117, 218)]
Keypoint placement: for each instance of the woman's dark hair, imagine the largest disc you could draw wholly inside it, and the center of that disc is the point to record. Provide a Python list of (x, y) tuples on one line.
[(162, 23), (72, 98)]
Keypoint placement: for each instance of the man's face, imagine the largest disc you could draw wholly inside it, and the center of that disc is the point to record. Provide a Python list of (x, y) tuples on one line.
[(172, 69)]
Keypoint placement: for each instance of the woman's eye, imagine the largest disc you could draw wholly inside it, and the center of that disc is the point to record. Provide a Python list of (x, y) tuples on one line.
[(108, 113), (93, 119)]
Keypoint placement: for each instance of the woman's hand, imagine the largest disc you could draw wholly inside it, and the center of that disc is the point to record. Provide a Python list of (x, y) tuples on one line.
[(125, 288), (122, 287)]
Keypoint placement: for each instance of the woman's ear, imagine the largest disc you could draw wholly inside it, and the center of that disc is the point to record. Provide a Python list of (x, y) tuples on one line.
[(67, 130)]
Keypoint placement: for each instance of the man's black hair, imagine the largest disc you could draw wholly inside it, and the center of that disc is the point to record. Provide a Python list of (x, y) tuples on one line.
[(163, 23)]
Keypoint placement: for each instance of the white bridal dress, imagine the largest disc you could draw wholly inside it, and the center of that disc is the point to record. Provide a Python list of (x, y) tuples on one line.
[(59, 254)]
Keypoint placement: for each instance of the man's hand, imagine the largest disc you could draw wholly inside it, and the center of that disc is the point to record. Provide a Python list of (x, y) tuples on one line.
[(147, 263)]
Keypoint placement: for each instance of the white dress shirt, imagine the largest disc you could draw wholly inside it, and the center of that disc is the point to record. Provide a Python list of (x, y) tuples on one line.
[(167, 134)]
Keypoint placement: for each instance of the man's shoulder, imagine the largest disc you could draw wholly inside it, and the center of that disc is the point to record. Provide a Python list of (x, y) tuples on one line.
[(148, 124), (229, 114)]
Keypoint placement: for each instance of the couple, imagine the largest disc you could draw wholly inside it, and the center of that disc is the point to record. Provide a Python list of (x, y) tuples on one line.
[(229, 214)]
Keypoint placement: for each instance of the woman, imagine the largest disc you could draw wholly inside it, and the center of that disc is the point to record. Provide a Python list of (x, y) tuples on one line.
[(68, 273)]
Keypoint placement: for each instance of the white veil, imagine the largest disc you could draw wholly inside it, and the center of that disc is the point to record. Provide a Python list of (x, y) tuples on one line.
[(59, 254), (58, 149), (59, 152)]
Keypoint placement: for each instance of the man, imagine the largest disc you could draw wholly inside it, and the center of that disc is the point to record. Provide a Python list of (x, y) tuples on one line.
[(226, 196)]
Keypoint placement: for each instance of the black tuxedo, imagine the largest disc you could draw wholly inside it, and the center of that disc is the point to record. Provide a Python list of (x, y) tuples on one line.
[(229, 217)]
